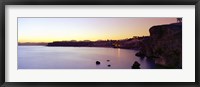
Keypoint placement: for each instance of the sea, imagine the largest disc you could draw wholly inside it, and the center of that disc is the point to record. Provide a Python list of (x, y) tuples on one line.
[(46, 57)]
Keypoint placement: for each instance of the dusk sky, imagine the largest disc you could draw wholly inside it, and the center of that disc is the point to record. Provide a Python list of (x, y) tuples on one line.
[(64, 29)]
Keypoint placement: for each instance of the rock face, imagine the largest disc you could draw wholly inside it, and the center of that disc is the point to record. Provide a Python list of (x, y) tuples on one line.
[(164, 45)]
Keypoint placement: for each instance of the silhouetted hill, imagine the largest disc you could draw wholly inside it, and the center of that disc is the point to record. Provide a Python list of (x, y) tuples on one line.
[(130, 43), (31, 44)]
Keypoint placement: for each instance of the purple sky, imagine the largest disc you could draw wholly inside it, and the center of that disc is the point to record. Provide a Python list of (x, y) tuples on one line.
[(59, 29)]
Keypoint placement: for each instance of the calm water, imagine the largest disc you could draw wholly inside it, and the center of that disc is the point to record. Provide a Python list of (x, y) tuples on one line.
[(42, 57)]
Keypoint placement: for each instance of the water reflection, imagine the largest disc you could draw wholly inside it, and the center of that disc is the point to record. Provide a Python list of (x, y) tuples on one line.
[(42, 57), (118, 55)]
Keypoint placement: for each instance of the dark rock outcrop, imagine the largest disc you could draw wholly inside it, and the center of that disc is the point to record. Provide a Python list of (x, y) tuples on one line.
[(164, 45), (109, 65), (136, 65), (140, 54), (97, 62)]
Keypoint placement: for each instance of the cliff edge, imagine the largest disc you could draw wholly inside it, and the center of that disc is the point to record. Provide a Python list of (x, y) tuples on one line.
[(164, 45)]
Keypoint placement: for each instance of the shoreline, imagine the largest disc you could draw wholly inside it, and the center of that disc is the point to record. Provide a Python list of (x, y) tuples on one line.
[(81, 46)]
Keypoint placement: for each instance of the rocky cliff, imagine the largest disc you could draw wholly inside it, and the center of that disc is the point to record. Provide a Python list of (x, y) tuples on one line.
[(164, 45)]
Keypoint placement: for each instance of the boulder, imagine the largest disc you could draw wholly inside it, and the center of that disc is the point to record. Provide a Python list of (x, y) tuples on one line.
[(109, 65), (136, 65), (97, 62)]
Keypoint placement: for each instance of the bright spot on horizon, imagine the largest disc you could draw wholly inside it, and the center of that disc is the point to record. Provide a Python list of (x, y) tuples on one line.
[(66, 29)]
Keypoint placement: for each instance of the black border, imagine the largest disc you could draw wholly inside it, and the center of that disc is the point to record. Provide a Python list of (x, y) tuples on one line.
[(98, 2)]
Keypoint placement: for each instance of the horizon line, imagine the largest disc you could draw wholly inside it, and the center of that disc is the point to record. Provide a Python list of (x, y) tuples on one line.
[(84, 40)]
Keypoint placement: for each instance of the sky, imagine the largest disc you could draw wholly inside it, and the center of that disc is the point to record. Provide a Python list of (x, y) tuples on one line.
[(65, 29)]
